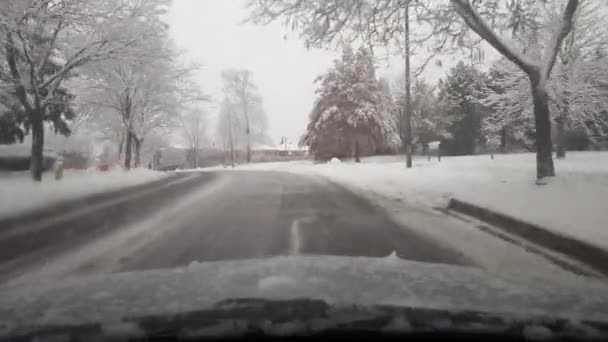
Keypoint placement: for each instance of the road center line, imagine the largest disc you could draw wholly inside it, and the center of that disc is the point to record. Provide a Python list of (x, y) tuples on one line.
[(295, 241)]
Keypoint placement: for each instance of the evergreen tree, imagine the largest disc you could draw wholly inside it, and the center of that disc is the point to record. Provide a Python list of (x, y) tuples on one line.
[(352, 115), (463, 86)]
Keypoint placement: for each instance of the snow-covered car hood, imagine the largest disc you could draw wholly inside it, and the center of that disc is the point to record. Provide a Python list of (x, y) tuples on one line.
[(335, 280)]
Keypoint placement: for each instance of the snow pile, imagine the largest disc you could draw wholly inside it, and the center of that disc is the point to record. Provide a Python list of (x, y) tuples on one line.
[(573, 203), (20, 194), (335, 160)]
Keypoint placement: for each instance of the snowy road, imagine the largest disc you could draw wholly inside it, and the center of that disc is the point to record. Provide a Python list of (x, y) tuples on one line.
[(239, 215), (262, 214)]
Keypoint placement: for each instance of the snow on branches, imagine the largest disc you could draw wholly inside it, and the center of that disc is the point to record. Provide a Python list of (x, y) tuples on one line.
[(352, 114)]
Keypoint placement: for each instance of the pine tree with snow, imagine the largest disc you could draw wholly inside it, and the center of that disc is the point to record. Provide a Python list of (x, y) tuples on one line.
[(351, 116), (463, 87)]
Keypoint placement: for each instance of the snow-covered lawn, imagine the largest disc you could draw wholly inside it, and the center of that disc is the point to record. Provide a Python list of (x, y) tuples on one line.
[(573, 203), (20, 194)]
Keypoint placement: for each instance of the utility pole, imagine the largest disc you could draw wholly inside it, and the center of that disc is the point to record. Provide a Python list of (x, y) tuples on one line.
[(408, 100), (402, 133)]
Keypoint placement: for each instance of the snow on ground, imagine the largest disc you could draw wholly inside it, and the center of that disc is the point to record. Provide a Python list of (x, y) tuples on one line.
[(20, 194), (573, 203)]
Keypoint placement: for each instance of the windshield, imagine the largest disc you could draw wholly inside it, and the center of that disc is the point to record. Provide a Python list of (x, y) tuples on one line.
[(455, 142)]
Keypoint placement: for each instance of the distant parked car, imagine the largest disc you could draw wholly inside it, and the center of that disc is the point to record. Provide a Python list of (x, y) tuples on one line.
[(17, 158)]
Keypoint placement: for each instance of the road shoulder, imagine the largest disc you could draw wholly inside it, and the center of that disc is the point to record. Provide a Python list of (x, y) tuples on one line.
[(482, 249)]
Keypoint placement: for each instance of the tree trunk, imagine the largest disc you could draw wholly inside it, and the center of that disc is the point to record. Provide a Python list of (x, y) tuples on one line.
[(137, 142), (357, 157), (544, 149), (503, 140), (37, 157), (121, 145), (247, 127), (560, 137), (425, 150), (231, 138), (128, 148), (248, 143)]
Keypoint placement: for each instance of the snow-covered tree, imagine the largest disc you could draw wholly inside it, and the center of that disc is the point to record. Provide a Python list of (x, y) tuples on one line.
[(443, 30), (45, 43), (580, 101), (144, 93), (225, 128), (351, 116), (194, 131), (430, 106), (577, 100), (230, 117), (507, 94), (246, 103)]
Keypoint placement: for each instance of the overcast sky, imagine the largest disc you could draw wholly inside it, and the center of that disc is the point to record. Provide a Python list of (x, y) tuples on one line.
[(211, 33)]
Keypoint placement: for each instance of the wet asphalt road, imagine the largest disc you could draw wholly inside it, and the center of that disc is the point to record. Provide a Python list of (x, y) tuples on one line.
[(262, 214)]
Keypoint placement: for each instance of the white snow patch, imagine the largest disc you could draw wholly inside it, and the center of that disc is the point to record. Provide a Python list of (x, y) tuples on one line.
[(20, 194), (392, 257), (272, 282), (335, 160)]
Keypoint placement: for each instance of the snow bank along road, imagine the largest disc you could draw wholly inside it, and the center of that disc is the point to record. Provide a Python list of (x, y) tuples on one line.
[(31, 239), (210, 216)]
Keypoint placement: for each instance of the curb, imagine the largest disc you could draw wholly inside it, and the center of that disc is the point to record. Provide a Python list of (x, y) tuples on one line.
[(590, 255)]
